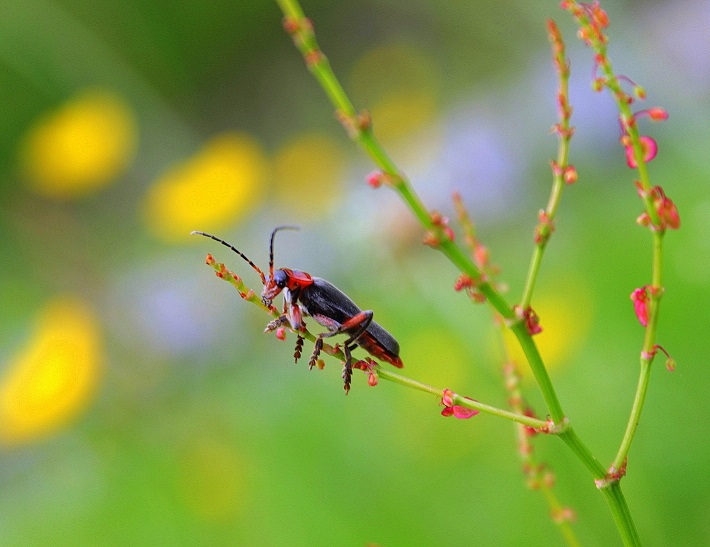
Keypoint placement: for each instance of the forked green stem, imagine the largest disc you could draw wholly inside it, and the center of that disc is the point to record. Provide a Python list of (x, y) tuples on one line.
[(359, 128)]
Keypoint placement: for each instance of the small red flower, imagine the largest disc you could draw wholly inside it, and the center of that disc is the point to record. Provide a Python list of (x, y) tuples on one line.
[(463, 282), (640, 300), (457, 411), (656, 113), (481, 255), (670, 362), (649, 147), (432, 237), (374, 179), (570, 174), (532, 321), (530, 431), (597, 14), (447, 398), (370, 368), (667, 210), (281, 333)]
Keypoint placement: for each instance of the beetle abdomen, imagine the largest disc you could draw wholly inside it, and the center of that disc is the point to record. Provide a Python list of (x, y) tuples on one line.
[(329, 301)]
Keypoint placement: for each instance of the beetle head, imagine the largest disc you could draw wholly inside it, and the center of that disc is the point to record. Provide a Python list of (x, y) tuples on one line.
[(274, 286), (277, 281)]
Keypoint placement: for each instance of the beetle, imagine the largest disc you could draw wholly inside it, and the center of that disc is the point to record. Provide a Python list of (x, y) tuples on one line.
[(307, 295)]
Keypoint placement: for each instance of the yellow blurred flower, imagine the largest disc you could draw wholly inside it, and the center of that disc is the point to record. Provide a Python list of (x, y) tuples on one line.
[(308, 173), (399, 85), (81, 147), (565, 316), (54, 378), (212, 189)]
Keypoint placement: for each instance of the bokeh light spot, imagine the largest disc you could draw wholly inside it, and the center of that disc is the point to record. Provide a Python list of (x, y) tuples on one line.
[(81, 147), (54, 378), (308, 172), (212, 189), (399, 85)]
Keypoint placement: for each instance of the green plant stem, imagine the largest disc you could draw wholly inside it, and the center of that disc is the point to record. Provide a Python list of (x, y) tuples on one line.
[(610, 489), (564, 131), (649, 349), (621, 514), (305, 40), (647, 356), (361, 131), (558, 185), (536, 472), (463, 401), (539, 371)]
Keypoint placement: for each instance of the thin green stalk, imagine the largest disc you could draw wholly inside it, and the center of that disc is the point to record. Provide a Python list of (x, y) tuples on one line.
[(463, 401), (537, 473), (647, 356), (560, 166), (539, 371), (597, 41), (610, 489), (621, 514), (361, 131)]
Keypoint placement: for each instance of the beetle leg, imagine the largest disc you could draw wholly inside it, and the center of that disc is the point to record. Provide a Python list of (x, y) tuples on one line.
[(299, 348), (360, 321), (355, 326), (316, 352), (347, 369), (280, 321), (296, 318)]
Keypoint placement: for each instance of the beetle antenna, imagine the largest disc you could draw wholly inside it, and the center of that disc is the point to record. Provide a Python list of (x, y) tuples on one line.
[(271, 246), (223, 242)]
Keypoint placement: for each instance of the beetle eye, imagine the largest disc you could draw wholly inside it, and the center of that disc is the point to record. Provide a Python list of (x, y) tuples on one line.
[(280, 278)]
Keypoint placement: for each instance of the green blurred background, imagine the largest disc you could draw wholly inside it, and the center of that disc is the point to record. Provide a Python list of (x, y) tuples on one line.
[(140, 402)]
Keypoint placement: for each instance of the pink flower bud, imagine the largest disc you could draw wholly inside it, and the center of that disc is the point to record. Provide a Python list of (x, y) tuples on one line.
[(640, 300), (481, 255), (667, 210), (463, 413), (657, 114), (649, 147), (532, 321), (374, 179), (570, 174), (447, 398)]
